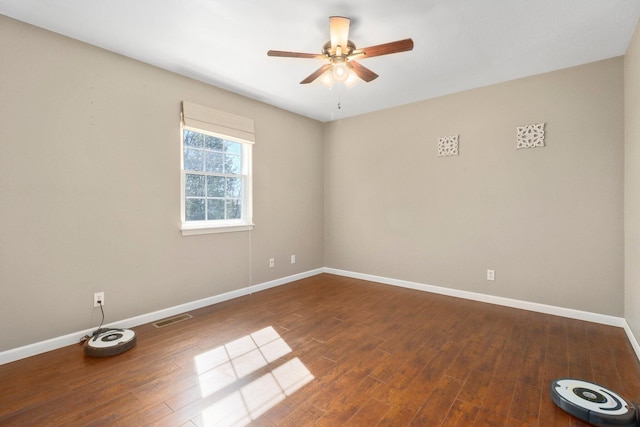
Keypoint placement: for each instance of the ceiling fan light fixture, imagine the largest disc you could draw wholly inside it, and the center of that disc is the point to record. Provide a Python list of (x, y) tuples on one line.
[(327, 79), (338, 30), (351, 80), (339, 69)]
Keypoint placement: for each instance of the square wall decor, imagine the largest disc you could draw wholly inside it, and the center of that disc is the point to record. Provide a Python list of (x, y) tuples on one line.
[(530, 136), (448, 146)]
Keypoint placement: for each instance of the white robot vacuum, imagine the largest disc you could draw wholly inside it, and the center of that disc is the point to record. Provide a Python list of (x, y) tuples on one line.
[(593, 403), (108, 342)]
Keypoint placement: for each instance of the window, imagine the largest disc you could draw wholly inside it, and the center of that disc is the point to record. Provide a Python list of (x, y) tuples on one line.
[(216, 171)]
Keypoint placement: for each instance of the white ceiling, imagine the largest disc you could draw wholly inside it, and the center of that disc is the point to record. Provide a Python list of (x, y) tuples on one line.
[(459, 44)]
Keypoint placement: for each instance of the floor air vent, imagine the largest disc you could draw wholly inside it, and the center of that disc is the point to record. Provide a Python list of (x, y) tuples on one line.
[(171, 320)]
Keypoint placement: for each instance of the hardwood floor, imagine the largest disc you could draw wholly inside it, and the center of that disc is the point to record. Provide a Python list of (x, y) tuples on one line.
[(329, 351)]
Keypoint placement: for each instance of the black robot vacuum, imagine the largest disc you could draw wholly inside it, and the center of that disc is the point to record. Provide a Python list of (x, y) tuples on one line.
[(593, 403)]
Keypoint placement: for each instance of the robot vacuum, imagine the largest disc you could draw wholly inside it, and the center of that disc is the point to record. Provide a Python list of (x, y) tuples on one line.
[(593, 403), (108, 342)]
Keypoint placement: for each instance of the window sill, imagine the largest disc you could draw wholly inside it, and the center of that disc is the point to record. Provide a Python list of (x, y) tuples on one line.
[(193, 231)]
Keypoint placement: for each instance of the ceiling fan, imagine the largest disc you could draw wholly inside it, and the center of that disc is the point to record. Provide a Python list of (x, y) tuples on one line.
[(341, 53)]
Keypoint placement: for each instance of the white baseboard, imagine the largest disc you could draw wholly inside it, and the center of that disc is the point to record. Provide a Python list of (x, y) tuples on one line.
[(73, 338), (524, 305), (632, 339)]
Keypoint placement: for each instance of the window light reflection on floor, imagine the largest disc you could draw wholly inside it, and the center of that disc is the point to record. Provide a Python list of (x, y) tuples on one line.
[(223, 366)]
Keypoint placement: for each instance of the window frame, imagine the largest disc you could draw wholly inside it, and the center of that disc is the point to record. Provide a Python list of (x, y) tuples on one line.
[(245, 223)]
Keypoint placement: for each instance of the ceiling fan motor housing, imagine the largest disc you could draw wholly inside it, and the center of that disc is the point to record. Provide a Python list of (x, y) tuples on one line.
[(345, 51)]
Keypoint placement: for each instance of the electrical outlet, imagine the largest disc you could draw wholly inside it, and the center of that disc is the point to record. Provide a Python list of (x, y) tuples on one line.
[(293, 259), (272, 262), (98, 299), (491, 275)]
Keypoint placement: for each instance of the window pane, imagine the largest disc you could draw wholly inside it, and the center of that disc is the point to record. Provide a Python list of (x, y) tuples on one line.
[(215, 209), (232, 164), (214, 162), (193, 159), (194, 209), (232, 147), (194, 185), (192, 139), (213, 143), (234, 210), (234, 188), (215, 186)]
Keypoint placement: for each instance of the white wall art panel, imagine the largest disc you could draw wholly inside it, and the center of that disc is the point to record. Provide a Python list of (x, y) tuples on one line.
[(531, 136), (448, 146)]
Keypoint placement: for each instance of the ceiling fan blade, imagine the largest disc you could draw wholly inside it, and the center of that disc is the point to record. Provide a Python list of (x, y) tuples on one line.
[(363, 72), (286, 54), (339, 31), (317, 73), (385, 49)]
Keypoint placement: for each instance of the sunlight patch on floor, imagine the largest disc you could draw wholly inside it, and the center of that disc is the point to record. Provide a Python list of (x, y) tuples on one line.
[(224, 366)]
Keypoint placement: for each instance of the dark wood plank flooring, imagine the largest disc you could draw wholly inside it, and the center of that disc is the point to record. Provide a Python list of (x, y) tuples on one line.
[(327, 351)]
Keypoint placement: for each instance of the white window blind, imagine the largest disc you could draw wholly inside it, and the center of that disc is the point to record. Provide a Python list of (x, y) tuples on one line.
[(218, 122)]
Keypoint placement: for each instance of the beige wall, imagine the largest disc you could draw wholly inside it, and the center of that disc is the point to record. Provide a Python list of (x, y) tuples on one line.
[(90, 190), (632, 183), (548, 220)]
